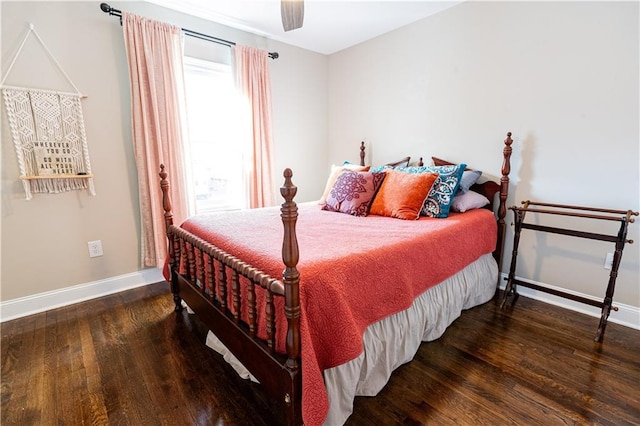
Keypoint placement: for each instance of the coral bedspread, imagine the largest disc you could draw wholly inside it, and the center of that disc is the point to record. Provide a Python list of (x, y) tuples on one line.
[(354, 271)]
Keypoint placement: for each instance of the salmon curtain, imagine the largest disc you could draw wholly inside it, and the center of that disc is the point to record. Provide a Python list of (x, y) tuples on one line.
[(154, 55), (253, 83)]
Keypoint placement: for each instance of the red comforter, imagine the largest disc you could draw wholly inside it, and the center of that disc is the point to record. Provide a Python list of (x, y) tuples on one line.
[(354, 271)]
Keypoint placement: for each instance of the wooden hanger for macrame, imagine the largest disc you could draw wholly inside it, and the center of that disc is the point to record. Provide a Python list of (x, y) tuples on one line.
[(46, 49)]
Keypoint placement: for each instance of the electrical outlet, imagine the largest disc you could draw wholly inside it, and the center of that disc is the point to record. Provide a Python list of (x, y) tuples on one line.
[(95, 248), (608, 261)]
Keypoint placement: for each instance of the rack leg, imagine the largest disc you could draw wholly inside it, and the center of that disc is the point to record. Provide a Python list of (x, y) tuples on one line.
[(606, 309), (510, 288), (611, 286)]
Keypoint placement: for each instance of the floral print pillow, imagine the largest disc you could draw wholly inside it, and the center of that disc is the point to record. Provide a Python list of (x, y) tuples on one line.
[(353, 192)]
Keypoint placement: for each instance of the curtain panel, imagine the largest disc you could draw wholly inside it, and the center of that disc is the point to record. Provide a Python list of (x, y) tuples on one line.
[(254, 84), (154, 55)]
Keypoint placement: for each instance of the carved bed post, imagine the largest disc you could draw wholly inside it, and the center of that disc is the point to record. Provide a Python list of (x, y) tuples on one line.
[(362, 153), (168, 221), (504, 191), (291, 280)]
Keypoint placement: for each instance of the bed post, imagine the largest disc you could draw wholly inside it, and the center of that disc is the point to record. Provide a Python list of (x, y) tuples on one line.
[(291, 279), (362, 153), (168, 221), (502, 209)]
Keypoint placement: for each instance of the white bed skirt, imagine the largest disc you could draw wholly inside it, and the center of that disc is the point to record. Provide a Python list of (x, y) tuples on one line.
[(395, 340)]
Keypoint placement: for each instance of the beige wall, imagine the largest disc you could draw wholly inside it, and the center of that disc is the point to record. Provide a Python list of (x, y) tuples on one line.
[(562, 76), (44, 241)]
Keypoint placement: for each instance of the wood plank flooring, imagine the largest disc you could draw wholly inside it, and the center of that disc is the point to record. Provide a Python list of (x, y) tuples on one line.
[(128, 359)]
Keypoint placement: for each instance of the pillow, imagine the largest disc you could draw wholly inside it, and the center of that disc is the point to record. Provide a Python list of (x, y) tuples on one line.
[(401, 164), (467, 201), (402, 195), (413, 169), (404, 169), (469, 177), (335, 172), (353, 192), (438, 203), (379, 169)]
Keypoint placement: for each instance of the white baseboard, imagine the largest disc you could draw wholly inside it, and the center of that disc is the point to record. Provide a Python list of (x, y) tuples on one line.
[(23, 306), (626, 315)]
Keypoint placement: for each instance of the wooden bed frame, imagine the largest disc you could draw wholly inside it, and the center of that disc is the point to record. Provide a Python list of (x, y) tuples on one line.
[(279, 374)]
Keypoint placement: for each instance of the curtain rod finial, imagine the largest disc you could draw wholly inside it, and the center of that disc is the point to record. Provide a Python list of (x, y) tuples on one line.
[(105, 7)]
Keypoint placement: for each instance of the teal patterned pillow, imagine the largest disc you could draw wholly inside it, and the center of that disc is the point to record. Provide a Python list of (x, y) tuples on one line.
[(380, 169), (413, 169), (438, 203)]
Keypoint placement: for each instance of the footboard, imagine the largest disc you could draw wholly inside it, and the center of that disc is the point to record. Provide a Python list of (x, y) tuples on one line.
[(201, 274)]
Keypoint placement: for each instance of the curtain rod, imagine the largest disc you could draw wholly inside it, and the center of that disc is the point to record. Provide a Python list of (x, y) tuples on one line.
[(115, 12)]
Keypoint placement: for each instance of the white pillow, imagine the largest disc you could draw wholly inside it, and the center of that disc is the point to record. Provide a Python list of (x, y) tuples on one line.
[(468, 201), (333, 176), (469, 177)]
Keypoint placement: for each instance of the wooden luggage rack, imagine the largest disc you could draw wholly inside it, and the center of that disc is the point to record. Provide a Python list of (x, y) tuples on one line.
[(575, 211)]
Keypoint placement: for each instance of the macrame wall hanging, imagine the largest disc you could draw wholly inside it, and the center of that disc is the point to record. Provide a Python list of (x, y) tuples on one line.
[(48, 133)]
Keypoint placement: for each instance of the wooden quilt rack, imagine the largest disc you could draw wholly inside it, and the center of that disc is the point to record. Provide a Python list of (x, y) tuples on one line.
[(574, 211)]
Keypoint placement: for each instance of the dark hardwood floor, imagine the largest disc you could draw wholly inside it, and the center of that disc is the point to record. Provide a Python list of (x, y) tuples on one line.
[(128, 359)]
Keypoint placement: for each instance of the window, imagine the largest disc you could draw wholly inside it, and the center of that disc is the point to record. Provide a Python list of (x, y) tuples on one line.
[(215, 140)]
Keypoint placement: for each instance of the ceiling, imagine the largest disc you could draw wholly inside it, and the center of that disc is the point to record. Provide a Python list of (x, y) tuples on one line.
[(329, 26)]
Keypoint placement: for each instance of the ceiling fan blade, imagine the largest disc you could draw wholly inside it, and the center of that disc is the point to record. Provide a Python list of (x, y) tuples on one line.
[(292, 12)]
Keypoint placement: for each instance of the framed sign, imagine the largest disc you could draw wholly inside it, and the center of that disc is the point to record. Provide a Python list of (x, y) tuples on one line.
[(49, 137)]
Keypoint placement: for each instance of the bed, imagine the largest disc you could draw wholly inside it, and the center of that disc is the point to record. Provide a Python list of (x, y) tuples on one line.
[(357, 295)]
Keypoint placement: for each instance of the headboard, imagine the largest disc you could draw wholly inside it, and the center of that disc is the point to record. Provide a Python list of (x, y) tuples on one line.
[(489, 188), (402, 162)]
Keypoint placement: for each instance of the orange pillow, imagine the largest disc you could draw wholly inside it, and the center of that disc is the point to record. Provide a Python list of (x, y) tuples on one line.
[(402, 194)]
